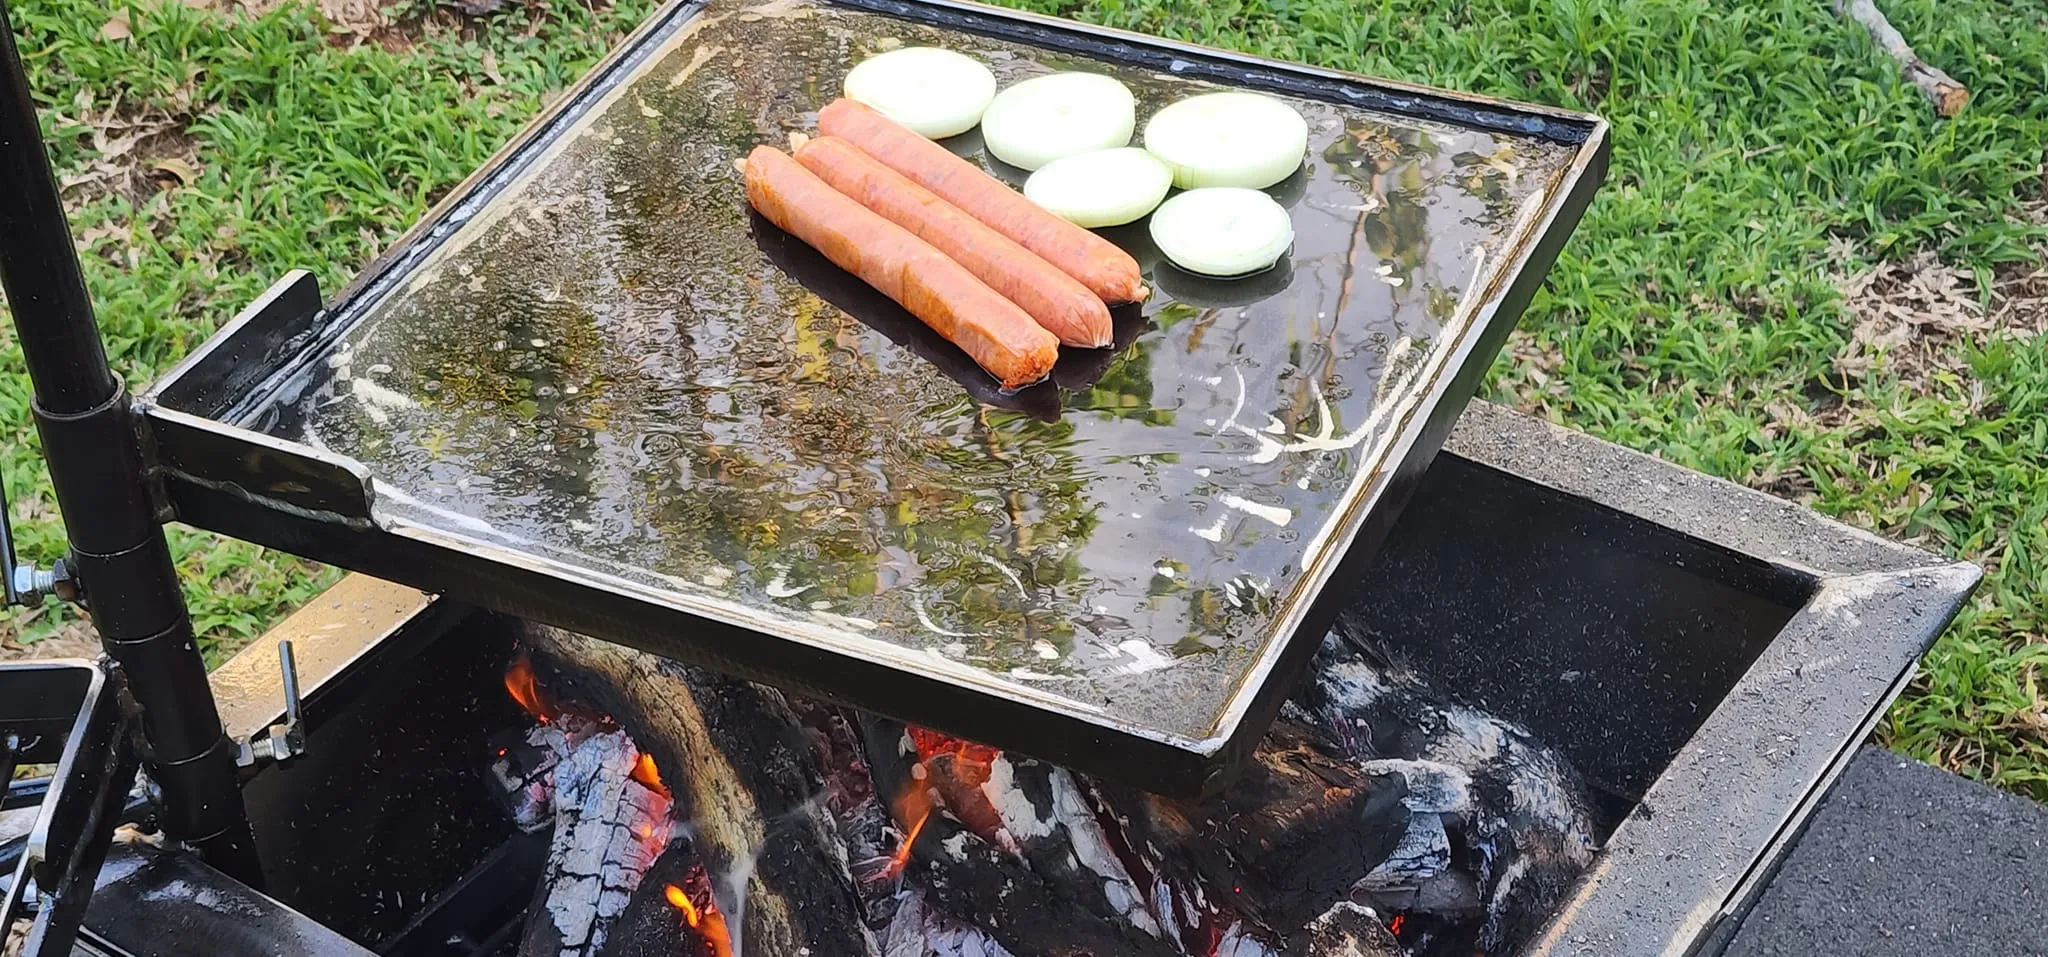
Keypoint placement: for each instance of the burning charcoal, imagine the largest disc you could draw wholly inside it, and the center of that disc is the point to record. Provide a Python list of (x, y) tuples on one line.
[(1346, 930), (1047, 884), (811, 828)]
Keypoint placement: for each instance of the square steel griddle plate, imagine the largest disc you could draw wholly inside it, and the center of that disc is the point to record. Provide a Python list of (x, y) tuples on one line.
[(594, 368)]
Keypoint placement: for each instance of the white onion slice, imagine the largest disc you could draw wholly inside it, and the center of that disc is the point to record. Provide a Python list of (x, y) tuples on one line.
[(1047, 117), (938, 93), (1228, 139), (1222, 230), (1103, 188)]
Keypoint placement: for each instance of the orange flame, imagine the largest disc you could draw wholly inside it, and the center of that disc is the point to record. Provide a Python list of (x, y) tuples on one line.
[(525, 689), (708, 923), (646, 773), (902, 857), (681, 901)]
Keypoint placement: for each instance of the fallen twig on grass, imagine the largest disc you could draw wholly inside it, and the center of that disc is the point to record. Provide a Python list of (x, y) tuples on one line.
[(1948, 96)]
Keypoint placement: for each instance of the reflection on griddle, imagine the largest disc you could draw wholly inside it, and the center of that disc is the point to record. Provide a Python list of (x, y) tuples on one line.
[(1080, 368), (1209, 292), (1289, 192), (843, 289), (967, 145), (612, 365)]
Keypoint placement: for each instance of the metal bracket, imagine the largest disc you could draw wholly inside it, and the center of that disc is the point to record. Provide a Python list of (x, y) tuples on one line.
[(279, 742), (26, 585)]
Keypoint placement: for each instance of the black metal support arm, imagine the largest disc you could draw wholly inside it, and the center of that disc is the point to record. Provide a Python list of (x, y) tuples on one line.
[(94, 450)]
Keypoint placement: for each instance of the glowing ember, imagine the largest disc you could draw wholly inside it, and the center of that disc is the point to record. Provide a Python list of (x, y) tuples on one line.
[(707, 922), (525, 689), (646, 773), (1394, 926), (956, 769), (931, 744)]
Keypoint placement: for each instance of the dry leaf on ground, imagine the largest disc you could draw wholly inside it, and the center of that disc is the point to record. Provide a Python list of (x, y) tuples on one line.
[(117, 27)]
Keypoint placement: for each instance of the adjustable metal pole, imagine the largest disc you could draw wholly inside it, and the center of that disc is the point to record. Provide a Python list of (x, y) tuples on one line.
[(94, 451)]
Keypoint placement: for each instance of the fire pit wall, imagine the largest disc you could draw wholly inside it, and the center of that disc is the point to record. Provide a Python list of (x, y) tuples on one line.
[(1611, 638)]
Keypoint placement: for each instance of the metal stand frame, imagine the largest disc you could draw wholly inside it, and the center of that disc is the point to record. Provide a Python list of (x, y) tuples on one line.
[(104, 489)]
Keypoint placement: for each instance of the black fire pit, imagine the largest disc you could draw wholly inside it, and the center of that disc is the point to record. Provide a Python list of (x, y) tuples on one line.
[(1705, 656)]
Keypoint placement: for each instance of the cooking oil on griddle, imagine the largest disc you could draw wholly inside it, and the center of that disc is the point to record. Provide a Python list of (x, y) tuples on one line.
[(615, 365)]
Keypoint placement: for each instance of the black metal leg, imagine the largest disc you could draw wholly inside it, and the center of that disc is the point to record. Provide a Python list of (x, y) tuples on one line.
[(96, 465)]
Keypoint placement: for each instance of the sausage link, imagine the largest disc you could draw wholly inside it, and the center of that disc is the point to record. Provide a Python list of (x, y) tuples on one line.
[(1058, 301), (1001, 337), (1107, 271)]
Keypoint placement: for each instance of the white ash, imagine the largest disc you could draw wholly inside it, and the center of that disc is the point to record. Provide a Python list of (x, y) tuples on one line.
[(528, 777), (1433, 788), (1020, 816), (1091, 848), (1424, 852), (608, 827), (919, 931), (1237, 942)]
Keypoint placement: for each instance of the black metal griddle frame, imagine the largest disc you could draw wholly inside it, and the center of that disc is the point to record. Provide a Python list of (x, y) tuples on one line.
[(74, 714), (94, 447), (221, 474)]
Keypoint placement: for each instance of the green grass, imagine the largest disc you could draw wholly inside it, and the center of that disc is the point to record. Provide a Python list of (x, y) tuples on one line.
[(310, 151), (1762, 149)]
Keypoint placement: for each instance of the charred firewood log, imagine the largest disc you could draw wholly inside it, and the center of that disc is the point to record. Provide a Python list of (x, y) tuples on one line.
[(744, 777), (574, 775), (673, 912), (1289, 837), (1501, 829), (866, 828)]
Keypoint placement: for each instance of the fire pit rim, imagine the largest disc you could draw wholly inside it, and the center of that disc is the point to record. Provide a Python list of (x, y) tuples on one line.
[(1684, 866)]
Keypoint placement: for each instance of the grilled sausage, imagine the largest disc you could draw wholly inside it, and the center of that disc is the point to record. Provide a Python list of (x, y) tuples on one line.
[(1107, 271), (1001, 337), (1058, 301)]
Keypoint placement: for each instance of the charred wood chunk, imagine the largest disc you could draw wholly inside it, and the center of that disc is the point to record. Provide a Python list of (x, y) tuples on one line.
[(603, 840), (1290, 836), (1346, 930), (1043, 882), (653, 925), (1516, 818), (744, 775)]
